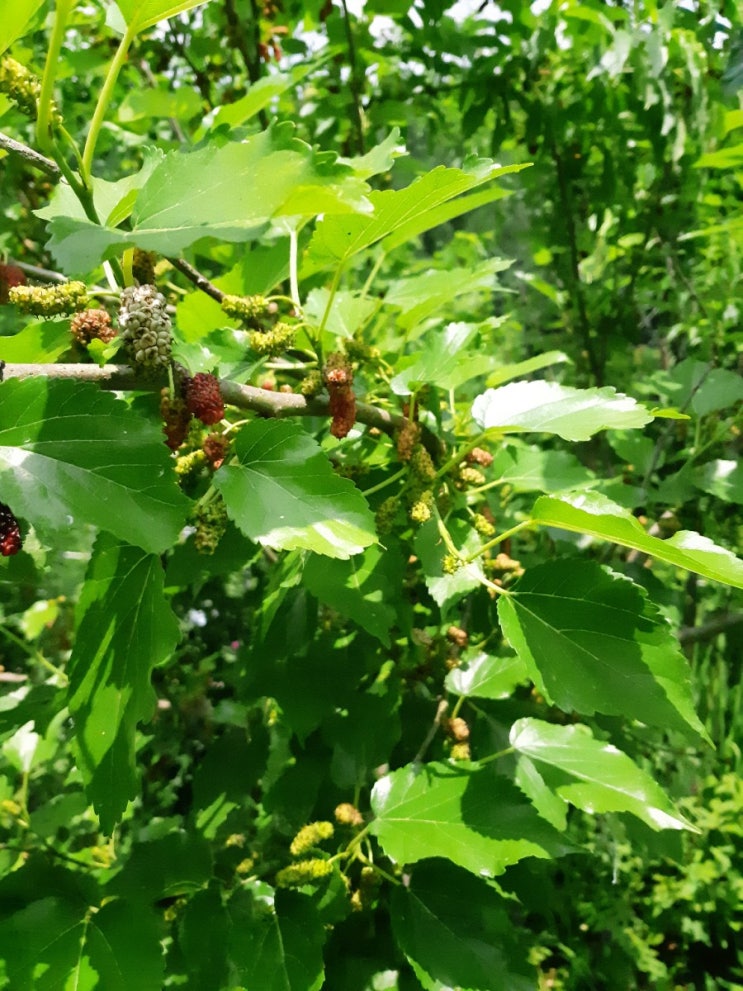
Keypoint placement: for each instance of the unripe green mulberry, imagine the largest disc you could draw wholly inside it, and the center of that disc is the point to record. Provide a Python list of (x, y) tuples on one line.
[(483, 525), (312, 383), (310, 836), (249, 309), (386, 513), (420, 511), (270, 343), (471, 476), (50, 301), (303, 872), (145, 326), (451, 564), (211, 523), (421, 464), (22, 87)]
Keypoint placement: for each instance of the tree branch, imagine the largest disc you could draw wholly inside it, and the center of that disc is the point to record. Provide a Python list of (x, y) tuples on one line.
[(247, 397), (199, 280), (694, 634), (38, 161)]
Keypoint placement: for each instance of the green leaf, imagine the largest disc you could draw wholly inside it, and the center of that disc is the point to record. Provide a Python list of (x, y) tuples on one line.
[(421, 295), (448, 589), (37, 343), (348, 314), (227, 774), (261, 94), (361, 588), (71, 454), (276, 940), (228, 191), (202, 938), (284, 494), (405, 212), (723, 479), (593, 775), (439, 362), (598, 516), (357, 750), (125, 627), (548, 407), (56, 942), (480, 675), (178, 863), (699, 386), (507, 372), (123, 948), (532, 469), (456, 933), (463, 812), (142, 14), (593, 642), (15, 21), (182, 103)]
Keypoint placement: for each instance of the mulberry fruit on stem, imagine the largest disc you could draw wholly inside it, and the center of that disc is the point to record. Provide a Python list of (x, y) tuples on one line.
[(203, 398), (145, 326), (10, 532)]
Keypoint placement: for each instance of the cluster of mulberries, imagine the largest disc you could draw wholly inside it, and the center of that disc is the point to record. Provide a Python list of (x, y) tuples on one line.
[(145, 326), (22, 87), (92, 324), (50, 301), (203, 398), (482, 525), (176, 419), (338, 378), (10, 275), (10, 532), (450, 564), (270, 343), (468, 475), (211, 523), (421, 508)]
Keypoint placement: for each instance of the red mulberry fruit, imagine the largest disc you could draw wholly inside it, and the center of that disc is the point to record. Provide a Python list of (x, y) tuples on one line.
[(91, 324), (10, 532), (203, 398), (176, 419)]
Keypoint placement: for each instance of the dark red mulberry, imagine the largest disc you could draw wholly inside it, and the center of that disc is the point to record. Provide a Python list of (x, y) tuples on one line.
[(203, 398), (176, 419), (10, 276), (338, 377), (10, 532)]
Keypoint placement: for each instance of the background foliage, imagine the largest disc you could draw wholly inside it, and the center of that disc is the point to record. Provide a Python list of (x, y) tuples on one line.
[(491, 632)]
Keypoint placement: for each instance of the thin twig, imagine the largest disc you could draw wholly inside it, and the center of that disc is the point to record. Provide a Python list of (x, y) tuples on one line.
[(46, 274), (356, 82), (237, 38), (38, 161), (694, 634), (199, 280)]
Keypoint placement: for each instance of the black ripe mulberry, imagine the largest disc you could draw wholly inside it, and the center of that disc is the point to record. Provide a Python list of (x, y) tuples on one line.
[(203, 398), (10, 532)]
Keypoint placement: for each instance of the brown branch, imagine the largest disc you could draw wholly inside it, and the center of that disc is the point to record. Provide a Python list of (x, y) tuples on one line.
[(694, 634), (199, 280), (356, 81), (247, 397), (38, 161)]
